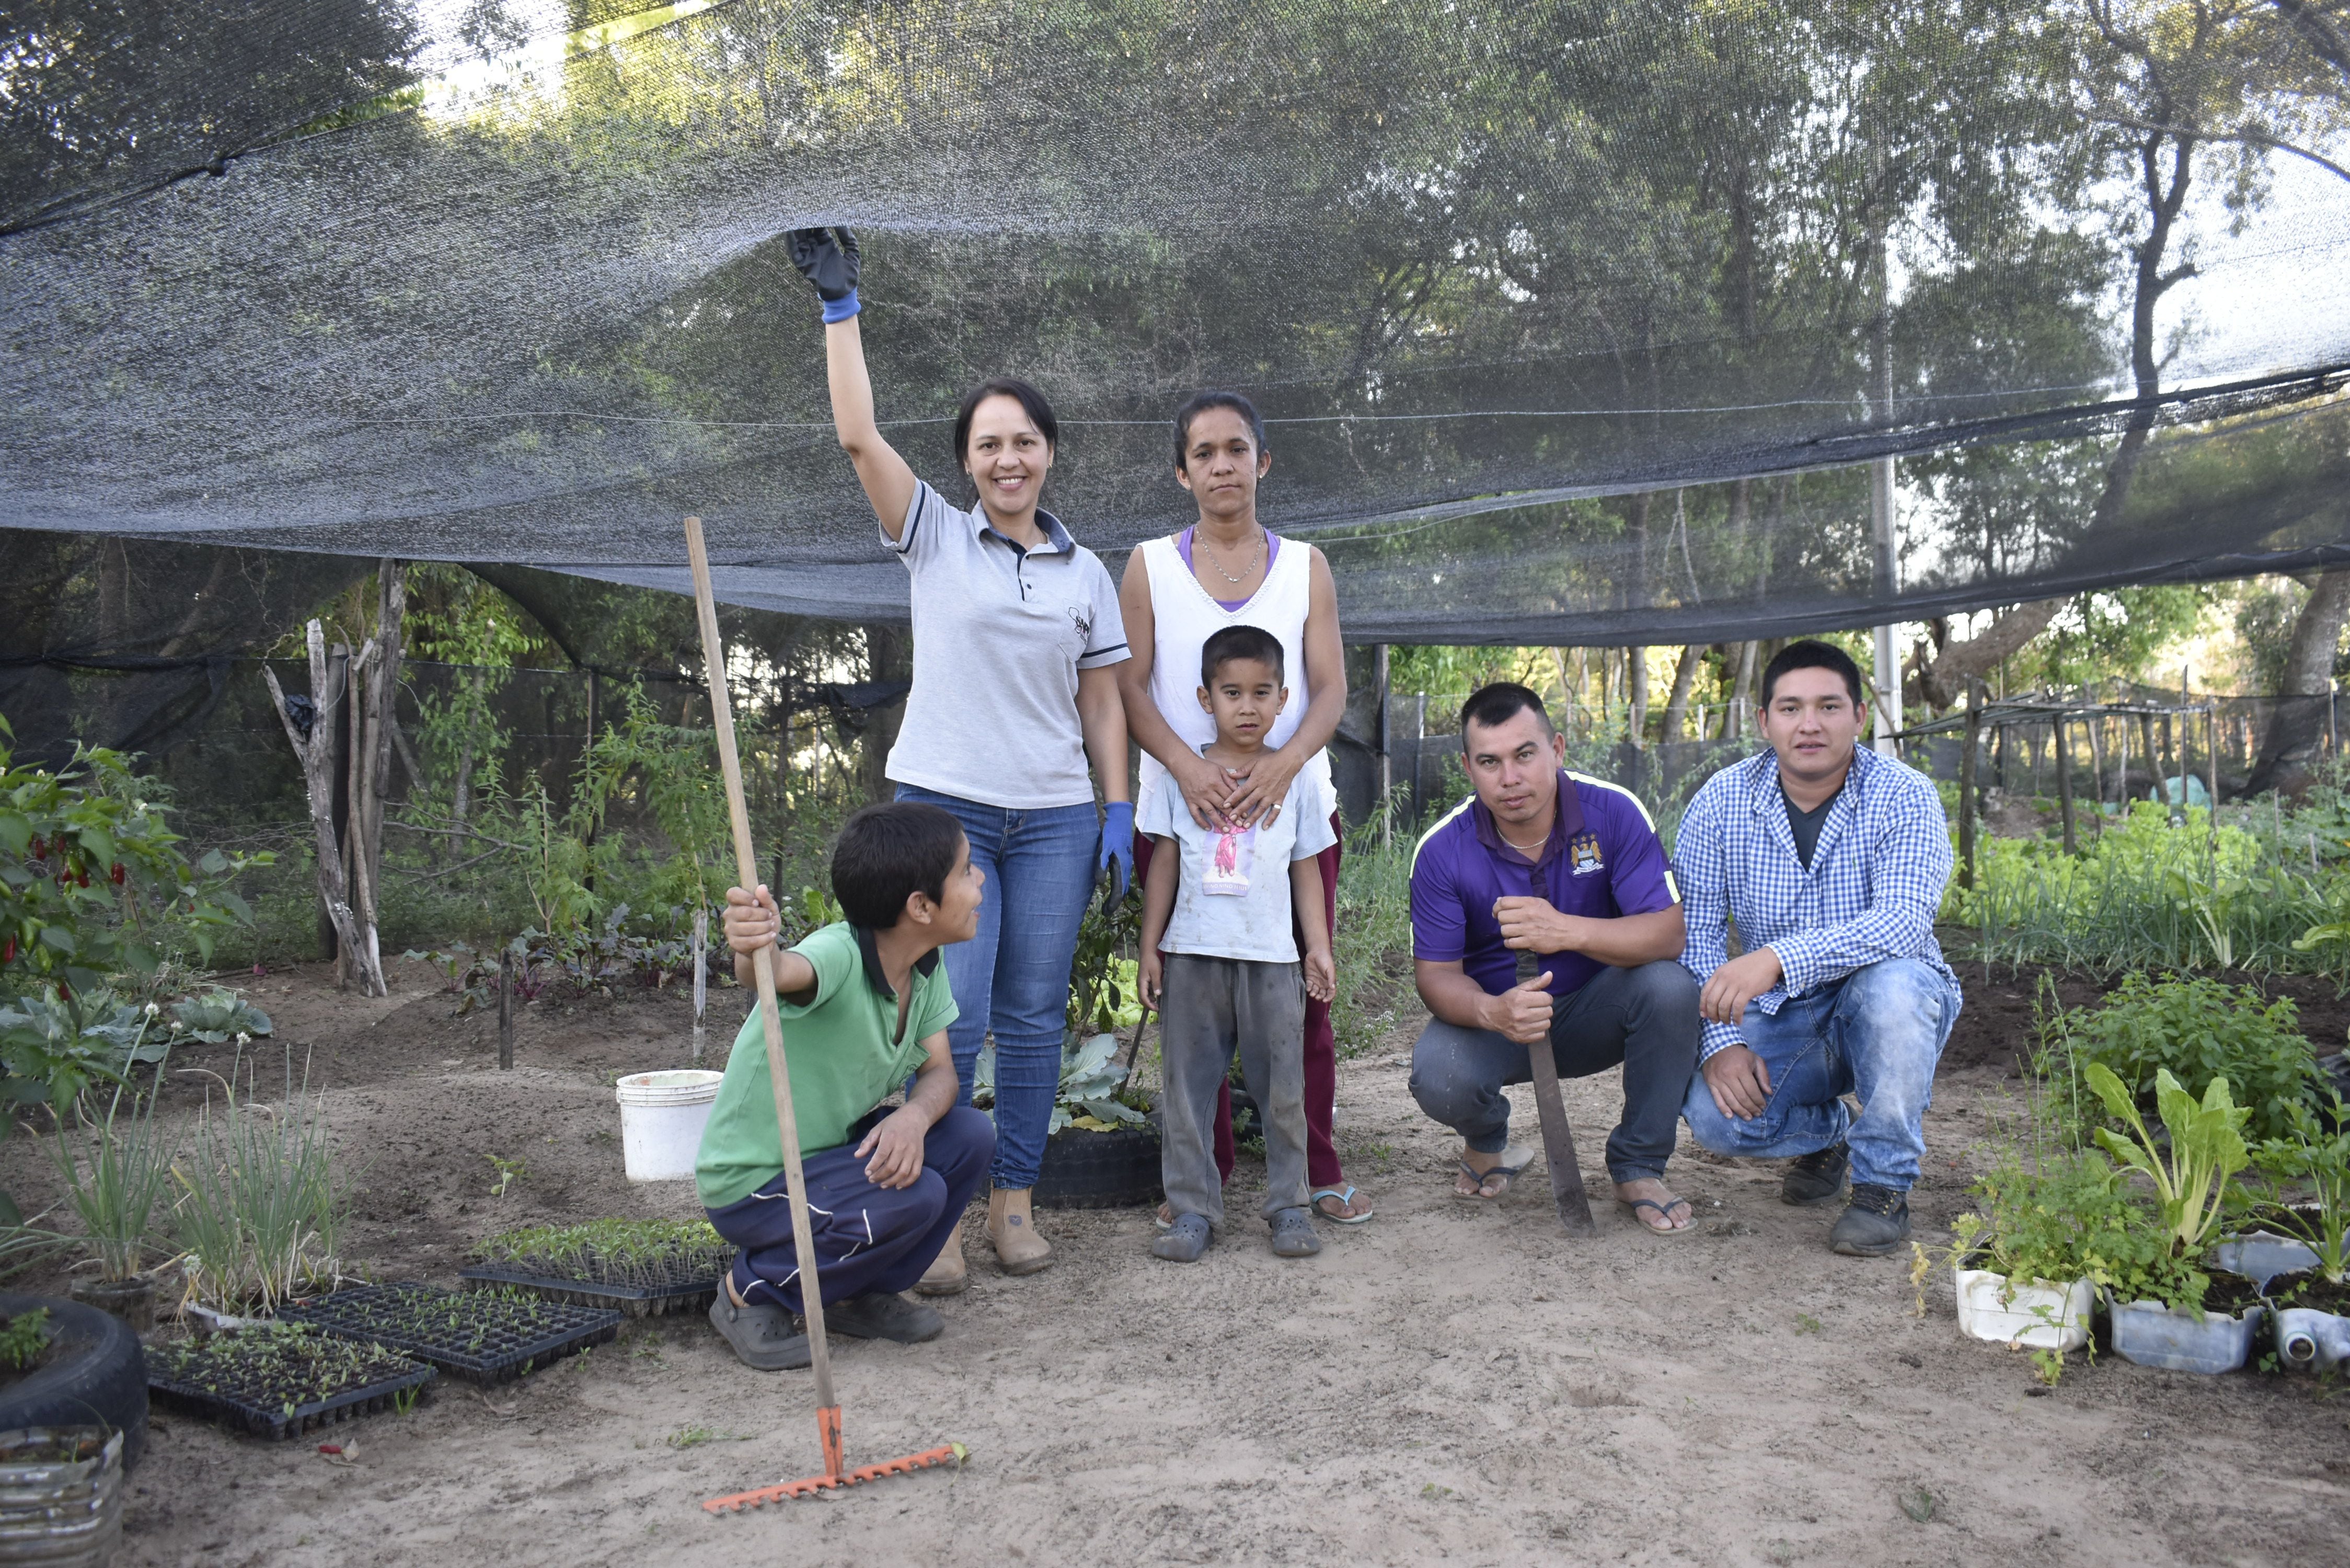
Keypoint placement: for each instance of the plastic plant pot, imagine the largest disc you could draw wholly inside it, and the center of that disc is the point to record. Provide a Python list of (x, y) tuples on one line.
[(2040, 1315), (60, 1496), (131, 1300), (2260, 1257), (661, 1118), (2309, 1339), (2152, 1334)]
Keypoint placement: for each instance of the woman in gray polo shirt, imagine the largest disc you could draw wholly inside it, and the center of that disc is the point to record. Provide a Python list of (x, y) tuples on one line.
[(1016, 631)]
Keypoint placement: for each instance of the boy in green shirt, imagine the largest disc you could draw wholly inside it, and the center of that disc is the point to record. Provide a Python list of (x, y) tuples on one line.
[(864, 1003)]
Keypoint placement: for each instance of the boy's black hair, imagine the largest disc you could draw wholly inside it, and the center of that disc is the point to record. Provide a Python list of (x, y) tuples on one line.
[(887, 854), (1199, 404), (1039, 412), (1809, 653), (1239, 642), (1498, 703)]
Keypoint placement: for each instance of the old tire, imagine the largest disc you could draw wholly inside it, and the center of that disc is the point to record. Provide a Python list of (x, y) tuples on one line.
[(1115, 1169), (97, 1373)]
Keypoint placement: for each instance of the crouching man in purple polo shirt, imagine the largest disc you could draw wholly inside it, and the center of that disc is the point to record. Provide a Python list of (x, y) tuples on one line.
[(1830, 860), (1568, 868)]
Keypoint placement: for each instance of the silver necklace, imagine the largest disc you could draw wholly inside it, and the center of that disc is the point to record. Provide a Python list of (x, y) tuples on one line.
[(1246, 571), (1523, 849)]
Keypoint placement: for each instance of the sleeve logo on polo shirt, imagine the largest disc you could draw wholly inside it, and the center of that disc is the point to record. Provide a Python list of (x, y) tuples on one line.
[(1582, 854)]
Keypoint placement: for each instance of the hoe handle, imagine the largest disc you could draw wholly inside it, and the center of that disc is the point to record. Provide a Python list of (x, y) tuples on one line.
[(746, 864)]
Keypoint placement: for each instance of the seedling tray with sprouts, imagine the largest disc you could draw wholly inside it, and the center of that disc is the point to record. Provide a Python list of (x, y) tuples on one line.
[(282, 1380), (482, 1335), (638, 1267)]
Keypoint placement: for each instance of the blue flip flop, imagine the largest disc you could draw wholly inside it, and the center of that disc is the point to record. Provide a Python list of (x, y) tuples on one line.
[(1346, 1197)]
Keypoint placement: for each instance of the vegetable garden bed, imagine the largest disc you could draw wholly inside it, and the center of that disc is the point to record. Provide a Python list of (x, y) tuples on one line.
[(641, 1268), (482, 1335), (282, 1380)]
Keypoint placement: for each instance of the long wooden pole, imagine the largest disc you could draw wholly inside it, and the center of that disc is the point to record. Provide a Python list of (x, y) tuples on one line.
[(763, 965)]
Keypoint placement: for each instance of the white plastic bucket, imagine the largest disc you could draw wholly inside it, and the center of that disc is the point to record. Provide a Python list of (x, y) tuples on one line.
[(662, 1118)]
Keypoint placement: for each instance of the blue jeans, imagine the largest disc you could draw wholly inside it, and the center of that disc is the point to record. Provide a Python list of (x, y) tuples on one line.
[(1011, 980), (1876, 1034)]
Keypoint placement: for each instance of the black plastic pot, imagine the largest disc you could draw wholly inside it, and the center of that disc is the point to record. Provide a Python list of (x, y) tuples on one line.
[(1084, 1170), (96, 1376)]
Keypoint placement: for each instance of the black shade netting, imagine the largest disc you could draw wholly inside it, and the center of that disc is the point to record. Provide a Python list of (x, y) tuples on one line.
[(1574, 321)]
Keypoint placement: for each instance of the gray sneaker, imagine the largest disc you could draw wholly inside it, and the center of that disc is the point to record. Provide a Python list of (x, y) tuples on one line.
[(1815, 1179), (1292, 1234), (766, 1338), (1184, 1240), (1876, 1223), (881, 1316)]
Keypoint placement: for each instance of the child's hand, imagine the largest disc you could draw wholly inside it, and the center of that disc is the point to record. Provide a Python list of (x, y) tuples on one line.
[(1150, 970), (896, 1145), (1321, 975), (753, 922)]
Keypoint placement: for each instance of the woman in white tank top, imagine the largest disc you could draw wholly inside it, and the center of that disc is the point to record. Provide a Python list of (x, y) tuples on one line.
[(1228, 569)]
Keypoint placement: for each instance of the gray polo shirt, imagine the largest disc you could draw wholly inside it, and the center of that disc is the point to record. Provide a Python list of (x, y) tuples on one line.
[(1000, 633)]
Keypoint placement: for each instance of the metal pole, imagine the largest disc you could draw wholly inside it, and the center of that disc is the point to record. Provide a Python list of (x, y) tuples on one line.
[(700, 975), (1418, 736), (1386, 764), (505, 1009), (1888, 671)]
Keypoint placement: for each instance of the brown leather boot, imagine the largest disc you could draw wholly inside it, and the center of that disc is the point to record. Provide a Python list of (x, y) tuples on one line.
[(1010, 1225), (947, 1275)]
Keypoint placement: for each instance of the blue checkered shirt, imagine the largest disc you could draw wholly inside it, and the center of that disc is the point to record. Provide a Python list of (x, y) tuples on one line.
[(1876, 878)]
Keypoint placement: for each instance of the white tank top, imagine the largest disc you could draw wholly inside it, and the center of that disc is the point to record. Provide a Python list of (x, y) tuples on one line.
[(1184, 617)]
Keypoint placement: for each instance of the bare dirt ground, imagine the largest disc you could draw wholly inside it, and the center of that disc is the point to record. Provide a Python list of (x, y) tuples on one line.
[(1448, 1383)]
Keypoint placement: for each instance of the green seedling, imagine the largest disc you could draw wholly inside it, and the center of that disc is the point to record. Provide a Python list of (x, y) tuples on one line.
[(509, 1171), (24, 1338), (2048, 1365), (1806, 1324), (694, 1437)]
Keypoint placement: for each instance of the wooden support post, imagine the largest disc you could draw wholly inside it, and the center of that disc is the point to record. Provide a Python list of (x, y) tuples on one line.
[(2211, 771), (2146, 744), (2065, 781), (1386, 762), (700, 975), (1967, 785), (506, 1008)]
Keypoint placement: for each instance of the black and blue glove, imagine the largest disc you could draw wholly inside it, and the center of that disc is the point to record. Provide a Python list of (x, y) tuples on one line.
[(828, 258), (1117, 847)]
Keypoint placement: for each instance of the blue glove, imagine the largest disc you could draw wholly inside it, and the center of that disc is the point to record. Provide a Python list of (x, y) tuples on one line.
[(828, 258), (1117, 847)]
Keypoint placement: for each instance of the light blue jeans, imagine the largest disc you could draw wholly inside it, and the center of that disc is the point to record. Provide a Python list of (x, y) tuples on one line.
[(1876, 1034), (1013, 978)]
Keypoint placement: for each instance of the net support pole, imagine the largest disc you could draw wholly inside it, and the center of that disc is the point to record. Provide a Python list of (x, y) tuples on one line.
[(1386, 762), (1967, 785), (1887, 675), (505, 1009), (2064, 781)]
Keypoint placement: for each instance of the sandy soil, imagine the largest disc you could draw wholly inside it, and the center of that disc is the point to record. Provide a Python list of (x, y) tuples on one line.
[(1449, 1383)]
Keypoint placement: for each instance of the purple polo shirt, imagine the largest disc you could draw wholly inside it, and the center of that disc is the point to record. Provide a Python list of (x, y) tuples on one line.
[(1603, 860)]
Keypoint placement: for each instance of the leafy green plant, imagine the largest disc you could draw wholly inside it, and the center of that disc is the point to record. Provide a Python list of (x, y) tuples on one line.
[(2053, 1223), (218, 1016), (2193, 1170), (509, 1171), (23, 1338), (117, 1172), (1091, 1094), (1103, 995), (261, 1211), (611, 1251), (2198, 1030), (1371, 939), (2308, 1184)]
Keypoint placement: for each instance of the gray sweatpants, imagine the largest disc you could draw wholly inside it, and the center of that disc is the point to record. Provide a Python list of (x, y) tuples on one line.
[(1208, 1008)]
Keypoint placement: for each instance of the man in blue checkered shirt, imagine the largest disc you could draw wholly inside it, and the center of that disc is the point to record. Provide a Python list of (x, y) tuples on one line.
[(1830, 861)]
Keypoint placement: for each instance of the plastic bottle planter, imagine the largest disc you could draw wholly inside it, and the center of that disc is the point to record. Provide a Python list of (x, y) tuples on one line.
[(131, 1300), (2260, 1257), (60, 1496), (481, 1335), (2308, 1338), (2152, 1335), (2040, 1315), (280, 1382), (661, 1118)]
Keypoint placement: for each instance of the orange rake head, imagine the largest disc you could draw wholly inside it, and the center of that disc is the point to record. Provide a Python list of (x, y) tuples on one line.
[(949, 1454)]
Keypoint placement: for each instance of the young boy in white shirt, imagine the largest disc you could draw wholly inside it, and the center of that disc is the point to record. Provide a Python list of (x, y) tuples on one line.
[(1219, 905)]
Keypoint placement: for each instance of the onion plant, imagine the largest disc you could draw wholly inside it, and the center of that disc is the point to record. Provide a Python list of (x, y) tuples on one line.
[(260, 1213), (117, 1174)]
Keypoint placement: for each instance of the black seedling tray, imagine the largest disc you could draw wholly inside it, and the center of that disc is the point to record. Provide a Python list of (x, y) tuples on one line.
[(629, 1301), (242, 1408), (498, 1335)]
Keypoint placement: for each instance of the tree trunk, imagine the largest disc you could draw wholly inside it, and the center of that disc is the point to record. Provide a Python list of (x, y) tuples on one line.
[(317, 755), (1684, 676), (888, 656), (2296, 728)]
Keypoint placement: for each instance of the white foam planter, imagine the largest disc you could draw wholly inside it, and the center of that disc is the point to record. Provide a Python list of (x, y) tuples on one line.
[(2038, 1314), (662, 1118)]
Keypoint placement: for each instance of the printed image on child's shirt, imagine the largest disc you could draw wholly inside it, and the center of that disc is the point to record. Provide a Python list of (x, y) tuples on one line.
[(1230, 857)]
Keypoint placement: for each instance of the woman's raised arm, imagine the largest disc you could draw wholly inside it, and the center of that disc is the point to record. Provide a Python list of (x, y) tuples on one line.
[(827, 259)]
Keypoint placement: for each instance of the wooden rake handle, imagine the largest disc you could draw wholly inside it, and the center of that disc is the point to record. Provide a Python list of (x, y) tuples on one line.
[(746, 866)]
